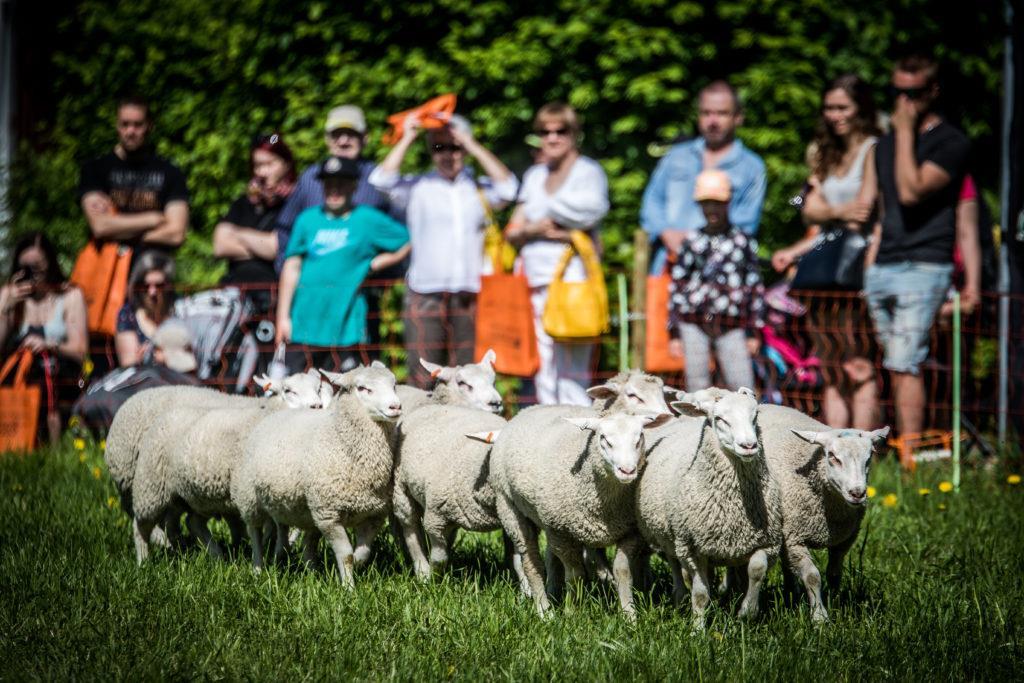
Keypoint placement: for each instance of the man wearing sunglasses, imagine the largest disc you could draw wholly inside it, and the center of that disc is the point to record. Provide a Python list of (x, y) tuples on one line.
[(921, 166), (668, 212)]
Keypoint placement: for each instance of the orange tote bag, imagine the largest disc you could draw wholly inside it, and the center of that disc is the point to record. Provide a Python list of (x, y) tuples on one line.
[(504, 322), (19, 406), (656, 355), (101, 272)]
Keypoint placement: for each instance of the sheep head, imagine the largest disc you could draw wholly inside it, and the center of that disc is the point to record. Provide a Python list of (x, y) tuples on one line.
[(847, 458), (473, 382), (634, 390), (733, 416), (374, 386), (301, 390), (621, 440)]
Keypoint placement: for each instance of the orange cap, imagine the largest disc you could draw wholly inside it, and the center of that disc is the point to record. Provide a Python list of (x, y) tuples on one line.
[(712, 184)]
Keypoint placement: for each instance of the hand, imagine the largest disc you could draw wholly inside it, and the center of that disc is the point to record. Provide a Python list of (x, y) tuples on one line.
[(753, 345), (675, 348), (857, 211), (674, 239), (34, 343), (14, 293), (283, 331), (905, 114), (556, 233), (411, 128), (969, 300), (782, 259), (99, 203), (462, 136)]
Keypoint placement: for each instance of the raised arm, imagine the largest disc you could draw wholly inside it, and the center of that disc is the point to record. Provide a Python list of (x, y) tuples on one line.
[(914, 182), (387, 174)]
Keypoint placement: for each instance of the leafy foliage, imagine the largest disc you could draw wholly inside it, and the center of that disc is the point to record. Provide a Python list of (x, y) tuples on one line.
[(220, 72)]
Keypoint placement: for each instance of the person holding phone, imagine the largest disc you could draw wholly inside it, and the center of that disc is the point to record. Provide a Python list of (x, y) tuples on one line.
[(42, 312)]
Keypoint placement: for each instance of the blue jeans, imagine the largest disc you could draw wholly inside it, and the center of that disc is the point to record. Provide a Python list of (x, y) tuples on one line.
[(903, 299)]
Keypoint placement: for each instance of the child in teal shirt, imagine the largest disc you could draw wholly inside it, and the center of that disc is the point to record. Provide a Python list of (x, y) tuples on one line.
[(332, 249)]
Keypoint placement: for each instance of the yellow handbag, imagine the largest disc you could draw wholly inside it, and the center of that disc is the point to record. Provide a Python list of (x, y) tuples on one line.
[(576, 310), (499, 255)]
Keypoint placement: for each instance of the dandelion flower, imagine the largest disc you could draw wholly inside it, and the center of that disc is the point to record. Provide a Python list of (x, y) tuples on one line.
[(103, 444), (111, 502), (945, 486), (96, 472), (872, 492), (717, 635), (1013, 479), (890, 500), (942, 506), (924, 492), (81, 457), (79, 444)]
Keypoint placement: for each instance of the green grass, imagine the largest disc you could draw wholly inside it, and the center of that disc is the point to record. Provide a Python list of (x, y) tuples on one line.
[(936, 593)]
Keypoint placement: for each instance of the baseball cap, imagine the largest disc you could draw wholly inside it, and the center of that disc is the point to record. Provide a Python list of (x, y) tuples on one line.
[(712, 184), (346, 116), (173, 338), (338, 167)]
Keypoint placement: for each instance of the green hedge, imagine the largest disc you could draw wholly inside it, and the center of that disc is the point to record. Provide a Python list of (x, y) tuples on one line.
[(219, 73)]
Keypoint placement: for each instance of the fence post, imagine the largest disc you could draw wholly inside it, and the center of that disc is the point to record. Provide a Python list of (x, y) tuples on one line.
[(620, 283), (641, 258), (956, 391)]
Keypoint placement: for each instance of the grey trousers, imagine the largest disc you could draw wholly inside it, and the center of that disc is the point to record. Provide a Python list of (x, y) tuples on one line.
[(730, 352)]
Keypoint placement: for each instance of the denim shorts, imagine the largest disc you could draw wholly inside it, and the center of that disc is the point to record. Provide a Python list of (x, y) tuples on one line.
[(903, 299)]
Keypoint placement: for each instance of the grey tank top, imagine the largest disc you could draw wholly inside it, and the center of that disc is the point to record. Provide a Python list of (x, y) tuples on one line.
[(841, 189)]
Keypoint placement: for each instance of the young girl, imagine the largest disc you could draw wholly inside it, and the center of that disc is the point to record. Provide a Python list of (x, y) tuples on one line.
[(716, 294)]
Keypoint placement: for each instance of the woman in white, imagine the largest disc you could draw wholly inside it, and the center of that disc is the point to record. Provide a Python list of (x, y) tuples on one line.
[(447, 212), (843, 191), (568, 191)]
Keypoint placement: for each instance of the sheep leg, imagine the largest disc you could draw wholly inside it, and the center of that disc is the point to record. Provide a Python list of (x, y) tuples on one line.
[(700, 592), (255, 529), (515, 560), (523, 535), (622, 569), (597, 566), (237, 528), (757, 570), (834, 570), (554, 572), (159, 537), (337, 535), (407, 512), (437, 535), (799, 558), (678, 585), (282, 544), (366, 532), (141, 532), (569, 555), (311, 549), (198, 526)]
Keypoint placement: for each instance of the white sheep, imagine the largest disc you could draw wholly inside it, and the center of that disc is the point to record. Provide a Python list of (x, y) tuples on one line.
[(570, 471), (631, 390), (323, 470), (706, 496), (466, 385), (822, 475), (441, 480), (187, 453)]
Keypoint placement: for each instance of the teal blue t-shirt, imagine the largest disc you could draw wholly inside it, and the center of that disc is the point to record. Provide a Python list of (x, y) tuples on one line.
[(329, 309)]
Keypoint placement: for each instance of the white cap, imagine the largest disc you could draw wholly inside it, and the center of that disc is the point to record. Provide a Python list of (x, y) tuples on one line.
[(172, 337), (346, 116)]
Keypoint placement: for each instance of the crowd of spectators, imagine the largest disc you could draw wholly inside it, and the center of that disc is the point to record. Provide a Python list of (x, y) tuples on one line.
[(319, 235)]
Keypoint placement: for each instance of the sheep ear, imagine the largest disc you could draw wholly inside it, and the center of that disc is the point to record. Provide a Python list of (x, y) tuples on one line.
[(702, 401), (584, 423), (342, 380), (437, 371), (810, 437), (486, 437), (379, 365), (745, 391), (266, 384), (879, 435), (602, 391), (653, 421), (488, 359)]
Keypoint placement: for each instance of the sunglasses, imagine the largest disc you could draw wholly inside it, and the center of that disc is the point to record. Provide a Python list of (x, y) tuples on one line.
[(910, 93), (560, 132), (344, 132), (439, 148), (271, 139)]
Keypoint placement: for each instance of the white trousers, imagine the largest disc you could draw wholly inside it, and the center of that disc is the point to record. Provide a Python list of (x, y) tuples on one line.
[(564, 374)]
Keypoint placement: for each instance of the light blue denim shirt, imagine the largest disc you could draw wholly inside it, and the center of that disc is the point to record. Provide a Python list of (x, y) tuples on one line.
[(668, 200)]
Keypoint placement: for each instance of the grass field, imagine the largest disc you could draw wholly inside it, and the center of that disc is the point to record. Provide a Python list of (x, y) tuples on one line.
[(934, 592)]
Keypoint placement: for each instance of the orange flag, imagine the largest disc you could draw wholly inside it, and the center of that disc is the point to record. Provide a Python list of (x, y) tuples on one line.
[(433, 113)]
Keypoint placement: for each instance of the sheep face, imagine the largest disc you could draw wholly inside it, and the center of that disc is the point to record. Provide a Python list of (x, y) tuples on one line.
[(847, 459), (642, 392), (733, 416), (475, 382), (374, 386), (620, 440), (302, 390)]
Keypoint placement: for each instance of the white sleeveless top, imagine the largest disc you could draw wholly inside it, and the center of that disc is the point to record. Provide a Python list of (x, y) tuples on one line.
[(841, 189), (55, 329)]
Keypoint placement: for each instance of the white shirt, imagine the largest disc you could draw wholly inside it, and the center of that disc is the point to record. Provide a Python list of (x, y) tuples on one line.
[(580, 204), (446, 222)]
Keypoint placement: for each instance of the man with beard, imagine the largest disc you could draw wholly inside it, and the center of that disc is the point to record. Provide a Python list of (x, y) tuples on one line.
[(132, 195), (668, 212)]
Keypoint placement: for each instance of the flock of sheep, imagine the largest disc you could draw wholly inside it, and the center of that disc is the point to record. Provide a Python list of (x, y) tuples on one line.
[(708, 479)]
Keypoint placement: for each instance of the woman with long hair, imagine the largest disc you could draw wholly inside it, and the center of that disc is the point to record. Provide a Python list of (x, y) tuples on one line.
[(150, 299), (42, 312), (842, 191)]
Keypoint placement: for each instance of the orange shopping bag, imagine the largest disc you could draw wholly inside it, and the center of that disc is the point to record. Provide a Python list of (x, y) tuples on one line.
[(656, 355), (504, 322), (19, 406), (432, 114), (101, 272)]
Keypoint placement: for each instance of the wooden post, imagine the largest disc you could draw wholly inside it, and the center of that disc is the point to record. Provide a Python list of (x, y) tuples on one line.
[(641, 259)]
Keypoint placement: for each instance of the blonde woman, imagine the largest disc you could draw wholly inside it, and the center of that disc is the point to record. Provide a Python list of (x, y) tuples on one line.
[(568, 191)]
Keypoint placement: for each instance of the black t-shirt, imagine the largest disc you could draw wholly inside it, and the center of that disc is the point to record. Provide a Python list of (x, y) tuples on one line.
[(925, 232), (144, 183), (245, 214)]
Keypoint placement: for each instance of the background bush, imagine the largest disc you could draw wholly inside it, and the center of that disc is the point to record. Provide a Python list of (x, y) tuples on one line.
[(219, 73)]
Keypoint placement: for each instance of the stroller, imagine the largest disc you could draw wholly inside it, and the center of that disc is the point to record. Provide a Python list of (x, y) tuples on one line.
[(785, 362)]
